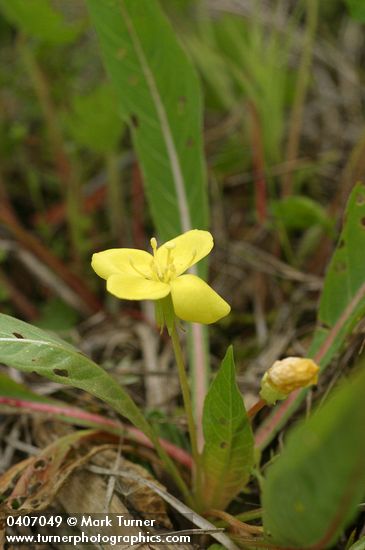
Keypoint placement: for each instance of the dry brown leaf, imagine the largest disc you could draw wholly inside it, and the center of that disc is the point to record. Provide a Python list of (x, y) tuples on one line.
[(141, 498), (32, 484)]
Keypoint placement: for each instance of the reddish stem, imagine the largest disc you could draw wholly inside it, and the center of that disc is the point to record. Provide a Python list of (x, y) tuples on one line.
[(279, 416), (176, 453), (252, 412)]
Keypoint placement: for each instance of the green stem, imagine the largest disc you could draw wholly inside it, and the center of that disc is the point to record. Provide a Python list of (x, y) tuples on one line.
[(170, 466), (188, 410)]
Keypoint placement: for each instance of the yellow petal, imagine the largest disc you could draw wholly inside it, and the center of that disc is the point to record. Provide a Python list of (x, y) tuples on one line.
[(197, 302), (187, 249), (133, 287), (121, 260)]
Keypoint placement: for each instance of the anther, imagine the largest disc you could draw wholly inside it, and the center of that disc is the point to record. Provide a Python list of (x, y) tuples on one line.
[(153, 242)]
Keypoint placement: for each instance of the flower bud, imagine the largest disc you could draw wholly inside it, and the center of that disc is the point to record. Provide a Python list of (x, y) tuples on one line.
[(287, 375)]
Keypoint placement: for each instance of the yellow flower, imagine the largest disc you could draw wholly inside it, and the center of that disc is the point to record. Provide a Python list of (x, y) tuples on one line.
[(133, 274), (288, 375)]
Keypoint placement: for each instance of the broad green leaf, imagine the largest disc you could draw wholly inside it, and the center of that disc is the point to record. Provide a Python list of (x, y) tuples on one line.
[(299, 212), (357, 9), (94, 121), (312, 490), (30, 349), (160, 98), (228, 455), (37, 18), (342, 303)]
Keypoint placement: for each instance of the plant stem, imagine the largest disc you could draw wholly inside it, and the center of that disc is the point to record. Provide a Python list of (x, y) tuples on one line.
[(170, 466), (252, 412), (188, 409)]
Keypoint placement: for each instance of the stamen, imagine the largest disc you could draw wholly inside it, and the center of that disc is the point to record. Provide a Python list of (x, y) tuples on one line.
[(153, 242), (137, 270), (155, 269)]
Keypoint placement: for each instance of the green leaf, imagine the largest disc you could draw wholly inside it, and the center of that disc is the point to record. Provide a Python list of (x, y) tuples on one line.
[(342, 304), (57, 315), (94, 120), (30, 349), (299, 212), (359, 545), (357, 9), (38, 19), (344, 278), (159, 96), (228, 455), (13, 390), (312, 490)]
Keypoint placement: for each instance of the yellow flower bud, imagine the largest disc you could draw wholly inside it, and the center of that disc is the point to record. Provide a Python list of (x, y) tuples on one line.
[(288, 375)]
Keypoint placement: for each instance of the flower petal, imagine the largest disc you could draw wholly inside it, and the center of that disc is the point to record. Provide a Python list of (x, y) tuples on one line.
[(197, 302), (122, 260), (133, 287), (188, 249)]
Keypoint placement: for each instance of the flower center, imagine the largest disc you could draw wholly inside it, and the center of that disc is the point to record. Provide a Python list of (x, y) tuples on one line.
[(164, 273), (163, 269)]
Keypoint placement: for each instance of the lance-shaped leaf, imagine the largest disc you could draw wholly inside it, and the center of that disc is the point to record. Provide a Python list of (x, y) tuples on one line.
[(160, 98), (31, 349), (312, 490), (228, 453)]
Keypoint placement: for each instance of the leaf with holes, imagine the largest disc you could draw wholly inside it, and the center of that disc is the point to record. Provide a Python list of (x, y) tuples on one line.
[(313, 489), (228, 454), (160, 97), (31, 349)]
